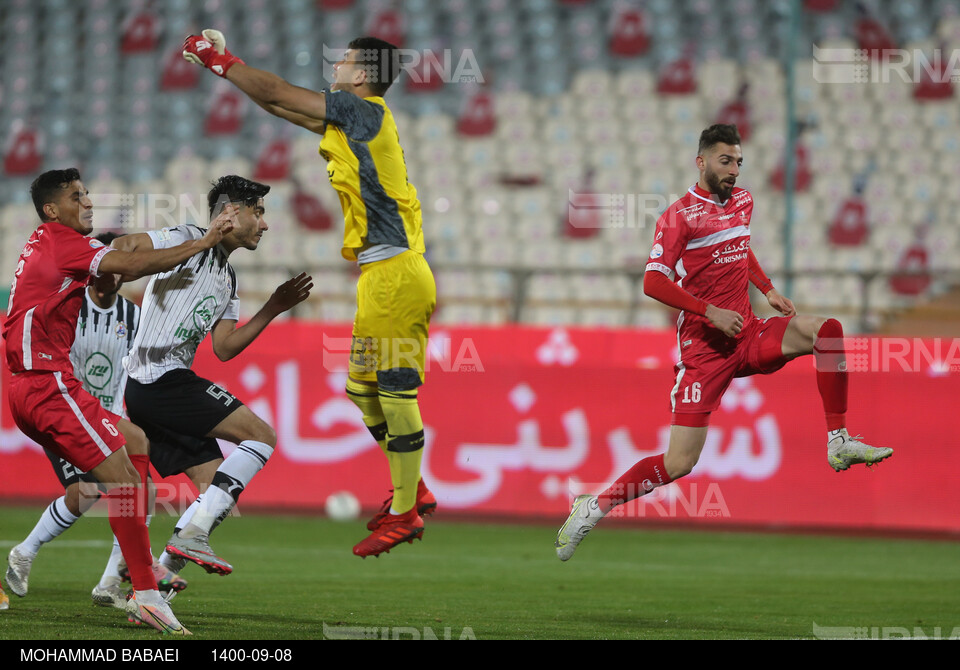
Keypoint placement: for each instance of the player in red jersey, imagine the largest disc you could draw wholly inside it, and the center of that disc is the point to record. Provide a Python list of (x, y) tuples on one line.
[(704, 239), (47, 402)]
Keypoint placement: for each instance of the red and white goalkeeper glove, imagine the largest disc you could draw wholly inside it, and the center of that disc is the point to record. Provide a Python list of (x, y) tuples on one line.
[(209, 49)]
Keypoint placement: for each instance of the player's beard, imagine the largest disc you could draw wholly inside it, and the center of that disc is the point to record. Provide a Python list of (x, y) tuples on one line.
[(717, 186)]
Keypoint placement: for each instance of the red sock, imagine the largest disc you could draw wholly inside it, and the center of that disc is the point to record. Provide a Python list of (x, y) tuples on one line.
[(831, 361), (639, 480), (128, 518)]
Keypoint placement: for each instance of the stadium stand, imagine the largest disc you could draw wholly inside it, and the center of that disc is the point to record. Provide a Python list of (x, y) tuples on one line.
[(555, 99)]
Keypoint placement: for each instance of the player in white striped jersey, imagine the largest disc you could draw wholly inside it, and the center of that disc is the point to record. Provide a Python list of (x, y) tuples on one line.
[(104, 333), (182, 414)]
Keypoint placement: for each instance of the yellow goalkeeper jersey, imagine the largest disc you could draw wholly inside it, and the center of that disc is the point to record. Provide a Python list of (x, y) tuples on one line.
[(366, 167)]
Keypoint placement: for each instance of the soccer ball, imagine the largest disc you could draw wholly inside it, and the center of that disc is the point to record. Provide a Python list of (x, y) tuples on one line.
[(342, 506)]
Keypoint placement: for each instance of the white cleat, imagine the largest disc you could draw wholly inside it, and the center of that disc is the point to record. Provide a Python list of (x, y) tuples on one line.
[(18, 571), (158, 614), (844, 451), (583, 517), (112, 595), (197, 549)]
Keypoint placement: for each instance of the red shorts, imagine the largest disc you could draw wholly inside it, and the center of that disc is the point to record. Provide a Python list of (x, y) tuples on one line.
[(54, 410), (704, 372)]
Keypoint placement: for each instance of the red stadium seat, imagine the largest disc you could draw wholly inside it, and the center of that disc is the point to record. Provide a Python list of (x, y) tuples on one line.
[(850, 227), (178, 74), (629, 35), (477, 118), (23, 156), (915, 259), (426, 74), (737, 112), (388, 26), (225, 116), (935, 83), (140, 33), (310, 212), (803, 175), (820, 5), (871, 35), (274, 162), (678, 77)]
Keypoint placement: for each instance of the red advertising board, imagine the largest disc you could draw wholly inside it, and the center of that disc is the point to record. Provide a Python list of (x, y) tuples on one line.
[(520, 419)]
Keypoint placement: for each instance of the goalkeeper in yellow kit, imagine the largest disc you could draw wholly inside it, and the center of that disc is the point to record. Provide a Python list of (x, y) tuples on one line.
[(396, 293)]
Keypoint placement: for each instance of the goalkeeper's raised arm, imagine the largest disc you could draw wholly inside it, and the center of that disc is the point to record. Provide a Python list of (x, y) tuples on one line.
[(296, 104)]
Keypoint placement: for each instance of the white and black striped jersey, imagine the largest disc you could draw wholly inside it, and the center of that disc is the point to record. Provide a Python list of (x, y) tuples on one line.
[(103, 339), (181, 306)]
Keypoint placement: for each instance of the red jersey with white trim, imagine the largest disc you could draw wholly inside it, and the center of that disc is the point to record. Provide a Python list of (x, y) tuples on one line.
[(45, 297), (707, 245)]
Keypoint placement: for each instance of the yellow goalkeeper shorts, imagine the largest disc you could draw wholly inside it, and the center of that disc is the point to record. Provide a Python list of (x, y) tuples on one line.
[(395, 299)]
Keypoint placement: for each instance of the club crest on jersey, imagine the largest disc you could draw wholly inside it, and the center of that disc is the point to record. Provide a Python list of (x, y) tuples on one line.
[(97, 370), (203, 314), (121, 329), (657, 251), (96, 244)]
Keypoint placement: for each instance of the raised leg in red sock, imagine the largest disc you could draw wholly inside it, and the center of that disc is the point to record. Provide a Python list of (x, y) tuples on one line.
[(831, 361), (639, 480)]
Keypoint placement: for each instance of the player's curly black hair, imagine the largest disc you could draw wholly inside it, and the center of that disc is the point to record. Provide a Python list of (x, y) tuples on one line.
[(716, 134), (232, 188), (47, 186)]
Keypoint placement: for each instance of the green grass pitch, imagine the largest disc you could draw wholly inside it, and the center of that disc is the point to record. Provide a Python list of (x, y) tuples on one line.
[(295, 578)]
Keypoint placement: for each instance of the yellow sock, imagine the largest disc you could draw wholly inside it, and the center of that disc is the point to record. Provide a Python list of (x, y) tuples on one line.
[(366, 398), (404, 445), (409, 465)]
